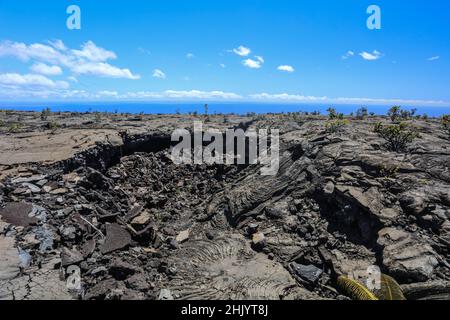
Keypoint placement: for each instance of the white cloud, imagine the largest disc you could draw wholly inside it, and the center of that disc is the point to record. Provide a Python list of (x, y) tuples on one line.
[(36, 86), (58, 44), (347, 55), (159, 74), (252, 64), (375, 55), (36, 51), (102, 69), (72, 79), (106, 93), (294, 98), (260, 59), (196, 94), (93, 53), (285, 97), (47, 70), (180, 95), (434, 58), (90, 60), (286, 68), (30, 81), (190, 56), (242, 51), (222, 65)]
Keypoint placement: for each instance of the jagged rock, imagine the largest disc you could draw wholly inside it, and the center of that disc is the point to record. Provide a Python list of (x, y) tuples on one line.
[(138, 282), (278, 210), (69, 233), (329, 188), (405, 256), (101, 290), (252, 228), (308, 273), (59, 191), (174, 245), (18, 214), (143, 219), (121, 270), (34, 178), (371, 201), (70, 257), (88, 248), (259, 241), (353, 265), (183, 236), (33, 188), (117, 238), (30, 240), (413, 202), (165, 294)]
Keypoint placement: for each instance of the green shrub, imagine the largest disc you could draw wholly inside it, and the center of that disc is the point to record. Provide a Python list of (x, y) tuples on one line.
[(53, 126), (446, 123), (362, 113), (14, 127), (394, 113), (97, 117), (332, 114), (397, 136), (336, 125), (45, 113)]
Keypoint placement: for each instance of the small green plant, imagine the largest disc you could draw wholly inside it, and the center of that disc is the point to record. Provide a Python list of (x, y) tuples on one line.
[(406, 115), (332, 114), (394, 113), (336, 125), (97, 117), (53, 126), (397, 136), (445, 121), (362, 113), (14, 127), (45, 114), (388, 171)]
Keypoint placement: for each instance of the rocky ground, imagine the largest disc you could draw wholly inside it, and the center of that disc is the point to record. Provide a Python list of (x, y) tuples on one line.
[(96, 198)]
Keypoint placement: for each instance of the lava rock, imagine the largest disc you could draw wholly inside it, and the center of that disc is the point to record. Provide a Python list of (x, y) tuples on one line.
[(174, 245), (117, 238), (165, 294), (183, 236), (405, 256), (18, 214), (259, 241), (308, 273), (70, 257), (121, 270), (141, 220)]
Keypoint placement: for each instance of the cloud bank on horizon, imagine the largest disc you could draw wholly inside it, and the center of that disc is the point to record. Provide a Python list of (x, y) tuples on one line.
[(263, 66)]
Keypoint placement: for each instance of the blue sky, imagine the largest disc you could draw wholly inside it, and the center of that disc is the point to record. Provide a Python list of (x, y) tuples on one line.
[(248, 50)]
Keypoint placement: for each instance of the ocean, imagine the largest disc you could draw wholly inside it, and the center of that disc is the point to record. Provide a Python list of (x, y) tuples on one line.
[(213, 108)]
